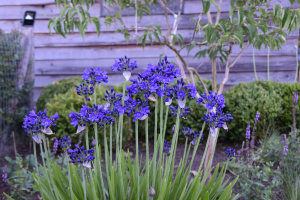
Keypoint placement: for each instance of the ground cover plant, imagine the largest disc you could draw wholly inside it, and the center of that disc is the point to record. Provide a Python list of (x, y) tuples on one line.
[(82, 177)]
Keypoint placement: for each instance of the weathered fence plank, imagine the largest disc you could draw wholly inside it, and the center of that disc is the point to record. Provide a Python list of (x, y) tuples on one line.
[(245, 64)]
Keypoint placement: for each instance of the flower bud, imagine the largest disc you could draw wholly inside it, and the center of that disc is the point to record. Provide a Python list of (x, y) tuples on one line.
[(151, 192)]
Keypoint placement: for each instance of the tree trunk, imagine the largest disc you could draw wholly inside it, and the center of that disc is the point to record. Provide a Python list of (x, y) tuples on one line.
[(214, 74)]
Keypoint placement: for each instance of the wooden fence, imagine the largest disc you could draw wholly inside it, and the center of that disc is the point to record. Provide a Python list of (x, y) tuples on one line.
[(56, 57)]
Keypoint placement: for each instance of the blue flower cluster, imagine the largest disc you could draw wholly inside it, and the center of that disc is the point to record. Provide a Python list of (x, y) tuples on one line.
[(136, 108), (4, 174), (212, 100), (182, 113), (114, 103), (182, 91), (188, 132), (92, 76), (124, 64), (80, 155), (36, 123), (215, 119), (248, 132), (166, 148), (195, 137), (230, 153), (87, 115), (85, 90), (64, 143)]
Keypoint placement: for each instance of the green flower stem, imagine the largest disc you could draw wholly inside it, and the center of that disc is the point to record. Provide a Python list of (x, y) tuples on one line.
[(117, 140), (185, 146), (121, 128), (83, 180), (155, 148), (110, 144), (37, 168), (41, 148), (254, 67), (196, 147), (147, 160), (106, 154), (137, 170), (268, 63), (87, 138), (174, 139), (69, 177)]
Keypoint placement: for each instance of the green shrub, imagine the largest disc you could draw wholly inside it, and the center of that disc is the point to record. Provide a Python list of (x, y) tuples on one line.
[(272, 99), (58, 87)]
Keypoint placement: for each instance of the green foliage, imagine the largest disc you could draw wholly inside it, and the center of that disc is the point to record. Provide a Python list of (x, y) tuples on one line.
[(259, 180), (291, 182), (19, 176), (244, 100)]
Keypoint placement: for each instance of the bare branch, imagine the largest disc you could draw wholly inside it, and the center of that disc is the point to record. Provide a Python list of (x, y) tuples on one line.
[(226, 71), (240, 54), (209, 17), (162, 4), (219, 13), (178, 15)]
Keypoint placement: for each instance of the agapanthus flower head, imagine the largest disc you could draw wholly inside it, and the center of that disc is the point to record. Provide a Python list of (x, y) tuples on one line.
[(92, 76), (97, 114), (166, 148), (85, 90), (80, 155), (212, 100), (195, 136), (217, 119), (4, 174), (114, 103), (182, 113), (124, 64), (64, 143), (181, 91), (248, 134), (230, 153), (55, 145), (187, 131), (136, 108), (40, 122)]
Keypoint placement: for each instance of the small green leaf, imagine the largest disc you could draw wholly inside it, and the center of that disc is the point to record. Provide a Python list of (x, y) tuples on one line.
[(127, 37), (62, 12), (156, 37), (174, 39), (240, 15), (96, 22), (150, 38), (158, 28), (144, 40)]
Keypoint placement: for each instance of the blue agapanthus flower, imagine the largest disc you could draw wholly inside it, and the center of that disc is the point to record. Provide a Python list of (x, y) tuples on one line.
[(85, 90), (154, 80), (114, 103), (217, 119), (124, 64), (195, 136), (64, 143), (230, 153), (80, 155), (36, 123), (187, 131), (182, 113), (212, 100), (166, 148), (92, 76), (182, 91), (136, 108), (98, 114)]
